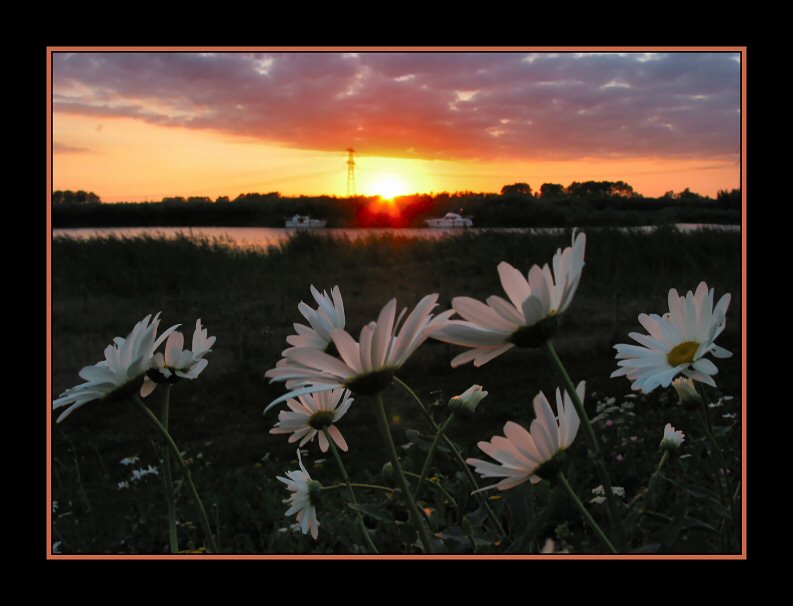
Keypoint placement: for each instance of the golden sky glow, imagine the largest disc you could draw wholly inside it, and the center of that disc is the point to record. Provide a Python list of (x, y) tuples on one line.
[(128, 160), (135, 127)]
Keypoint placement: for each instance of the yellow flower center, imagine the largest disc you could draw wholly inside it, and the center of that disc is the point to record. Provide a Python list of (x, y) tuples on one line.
[(683, 353)]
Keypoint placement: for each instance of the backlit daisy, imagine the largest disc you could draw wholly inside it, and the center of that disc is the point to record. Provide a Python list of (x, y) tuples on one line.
[(120, 373), (304, 498), (311, 413), (328, 316), (677, 343), (365, 366), (528, 319), (179, 363), (531, 455)]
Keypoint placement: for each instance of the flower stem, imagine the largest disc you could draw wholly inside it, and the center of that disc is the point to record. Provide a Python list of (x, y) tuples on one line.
[(346, 478), (590, 520), (721, 469), (185, 472), (167, 476), (364, 486), (594, 447), (407, 495), (445, 492), (662, 462), (430, 454), (450, 445)]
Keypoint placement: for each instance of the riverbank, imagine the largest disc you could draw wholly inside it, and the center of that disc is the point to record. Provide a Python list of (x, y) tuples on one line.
[(248, 299)]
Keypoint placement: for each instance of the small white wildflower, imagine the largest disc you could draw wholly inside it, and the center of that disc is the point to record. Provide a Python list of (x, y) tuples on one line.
[(122, 485), (137, 474), (54, 506), (717, 404), (729, 415), (130, 460), (600, 492), (598, 500)]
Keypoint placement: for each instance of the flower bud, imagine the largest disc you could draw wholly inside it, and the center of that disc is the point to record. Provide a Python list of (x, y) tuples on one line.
[(465, 404), (687, 393), (388, 471), (672, 439)]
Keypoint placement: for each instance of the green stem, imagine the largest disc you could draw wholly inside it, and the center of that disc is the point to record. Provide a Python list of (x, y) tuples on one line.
[(445, 492), (407, 495), (185, 472), (721, 469), (167, 476), (590, 520), (346, 477), (662, 462), (594, 447), (430, 454), (364, 486), (463, 465), (717, 463)]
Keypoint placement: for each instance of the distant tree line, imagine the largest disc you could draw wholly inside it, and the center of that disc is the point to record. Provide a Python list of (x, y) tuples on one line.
[(578, 204)]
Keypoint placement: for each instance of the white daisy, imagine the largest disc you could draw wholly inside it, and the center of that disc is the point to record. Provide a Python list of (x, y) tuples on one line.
[(677, 343), (311, 413), (304, 497), (672, 439), (531, 455), (366, 366), (179, 363), (328, 316), (116, 376), (531, 317)]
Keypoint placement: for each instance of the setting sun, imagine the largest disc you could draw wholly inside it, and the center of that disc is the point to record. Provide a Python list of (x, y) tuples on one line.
[(389, 187)]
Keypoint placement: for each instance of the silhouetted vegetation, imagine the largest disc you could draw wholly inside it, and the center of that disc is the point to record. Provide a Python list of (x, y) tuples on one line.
[(591, 203)]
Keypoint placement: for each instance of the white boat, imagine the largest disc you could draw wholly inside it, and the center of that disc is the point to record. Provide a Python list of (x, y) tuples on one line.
[(305, 221), (450, 220)]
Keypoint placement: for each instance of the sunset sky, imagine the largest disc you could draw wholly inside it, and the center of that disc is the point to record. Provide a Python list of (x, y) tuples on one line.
[(141, 126)]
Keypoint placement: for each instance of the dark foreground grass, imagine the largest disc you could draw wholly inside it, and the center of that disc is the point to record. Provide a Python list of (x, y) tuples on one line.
[(248, 299)]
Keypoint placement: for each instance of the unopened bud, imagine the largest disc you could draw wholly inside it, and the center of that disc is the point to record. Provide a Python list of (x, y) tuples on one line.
[(465, 404), (672, 439), (388, 471), (687, 393)]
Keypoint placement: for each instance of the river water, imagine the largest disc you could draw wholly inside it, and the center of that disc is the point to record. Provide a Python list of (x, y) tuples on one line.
[(273, 236)]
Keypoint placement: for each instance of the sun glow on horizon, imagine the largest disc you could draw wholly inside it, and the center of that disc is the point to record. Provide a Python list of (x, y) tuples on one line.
[(389, 187)]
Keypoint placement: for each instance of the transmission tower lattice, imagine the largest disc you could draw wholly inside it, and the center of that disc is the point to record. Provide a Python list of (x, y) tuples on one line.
[(350, 171)]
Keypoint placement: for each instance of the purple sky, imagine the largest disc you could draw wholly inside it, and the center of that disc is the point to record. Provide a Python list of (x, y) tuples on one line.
[(426, 105)]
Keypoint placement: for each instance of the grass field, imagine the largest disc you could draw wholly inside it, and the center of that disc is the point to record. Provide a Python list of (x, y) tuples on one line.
[(248, 299)]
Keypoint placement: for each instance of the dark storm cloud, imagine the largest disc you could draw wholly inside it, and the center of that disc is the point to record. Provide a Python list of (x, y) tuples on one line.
[(439, 105)]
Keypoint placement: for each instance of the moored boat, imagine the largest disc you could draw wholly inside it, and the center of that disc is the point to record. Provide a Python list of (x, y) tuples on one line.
[(450, 220), (305, 221)]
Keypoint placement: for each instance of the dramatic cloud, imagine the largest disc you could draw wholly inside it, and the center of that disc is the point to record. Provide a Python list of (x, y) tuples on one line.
[(426, 105)]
